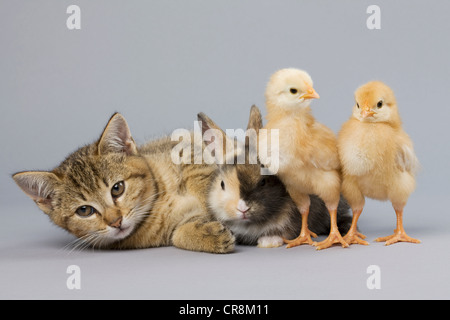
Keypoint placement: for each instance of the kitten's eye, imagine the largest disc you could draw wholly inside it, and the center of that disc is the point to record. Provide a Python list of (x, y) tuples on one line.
[(222, 184), (262, 183), (118, 189), (357, 104), (85, 211), (379, 104), (293, 90)]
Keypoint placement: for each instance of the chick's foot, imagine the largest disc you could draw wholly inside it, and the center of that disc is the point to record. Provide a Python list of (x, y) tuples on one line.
[(303, 238), (398, 236), (399, 232), (355, 238), (333, 238), (305, 234)]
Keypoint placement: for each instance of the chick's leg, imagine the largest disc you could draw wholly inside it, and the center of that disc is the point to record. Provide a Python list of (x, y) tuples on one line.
[(335, 236), (354, 196), (305, 234), (353, 236), (303, 202), (399, 233), (329, 191)]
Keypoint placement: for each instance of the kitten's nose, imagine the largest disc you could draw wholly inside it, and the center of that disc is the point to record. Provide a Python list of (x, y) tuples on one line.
[(242, 206), (117, 223)]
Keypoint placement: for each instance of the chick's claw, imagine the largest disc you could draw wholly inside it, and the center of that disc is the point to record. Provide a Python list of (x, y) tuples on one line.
[(333, 238), (355, 238), (397, 237), (303, 238)]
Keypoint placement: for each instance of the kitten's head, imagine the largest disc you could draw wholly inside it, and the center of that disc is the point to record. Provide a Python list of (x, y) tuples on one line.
[(99, 193)]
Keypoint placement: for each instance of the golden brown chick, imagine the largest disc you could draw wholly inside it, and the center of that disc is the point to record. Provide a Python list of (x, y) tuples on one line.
[(377, 158), (308, 158)]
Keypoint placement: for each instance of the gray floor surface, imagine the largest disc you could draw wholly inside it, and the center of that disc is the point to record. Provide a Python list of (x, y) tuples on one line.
[(34, 260)]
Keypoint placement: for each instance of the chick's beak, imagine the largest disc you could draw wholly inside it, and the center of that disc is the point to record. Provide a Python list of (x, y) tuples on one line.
[(367, 112), (310, 93)]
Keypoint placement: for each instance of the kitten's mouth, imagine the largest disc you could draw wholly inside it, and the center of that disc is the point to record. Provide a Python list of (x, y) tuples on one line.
[(121, 232)]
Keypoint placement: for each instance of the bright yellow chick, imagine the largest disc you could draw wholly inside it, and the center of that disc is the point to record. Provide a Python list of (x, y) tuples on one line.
[(377, 158), (308, 158)]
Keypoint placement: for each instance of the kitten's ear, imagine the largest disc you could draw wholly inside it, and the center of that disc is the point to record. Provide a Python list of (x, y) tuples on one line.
[(116, 138), (39, 186), (255, 119)]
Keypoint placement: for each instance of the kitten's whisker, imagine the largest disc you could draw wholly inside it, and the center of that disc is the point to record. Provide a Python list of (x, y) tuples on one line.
[(74, 243), (84, 242), (99, 238), (95, 241)]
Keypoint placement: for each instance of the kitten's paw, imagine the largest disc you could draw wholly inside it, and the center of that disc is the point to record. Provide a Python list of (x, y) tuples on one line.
[(205, 236), (218, 238), (270, 242)]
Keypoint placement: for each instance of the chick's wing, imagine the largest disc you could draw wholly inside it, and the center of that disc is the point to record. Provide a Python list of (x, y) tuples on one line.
[(406, 159), (325, 155)]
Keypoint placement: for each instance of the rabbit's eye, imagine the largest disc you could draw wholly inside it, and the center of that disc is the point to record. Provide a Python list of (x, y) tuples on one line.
[(262, 183), (222, 184)]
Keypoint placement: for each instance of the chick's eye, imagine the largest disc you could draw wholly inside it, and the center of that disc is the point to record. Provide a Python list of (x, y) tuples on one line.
[(85, 211), (118, 189), (293, 90), (379, 104), (357, 104), (222, 184)]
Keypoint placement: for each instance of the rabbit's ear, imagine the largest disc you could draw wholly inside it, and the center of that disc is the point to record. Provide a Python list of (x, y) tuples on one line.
[(214, 138), (207, 123), (251, 137), (255, 119)]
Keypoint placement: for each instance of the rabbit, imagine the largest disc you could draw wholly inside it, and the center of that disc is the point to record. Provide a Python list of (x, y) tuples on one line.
[(259, 211), (257, 208)]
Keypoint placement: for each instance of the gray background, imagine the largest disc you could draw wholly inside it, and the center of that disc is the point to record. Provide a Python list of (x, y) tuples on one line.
[(161, 62)]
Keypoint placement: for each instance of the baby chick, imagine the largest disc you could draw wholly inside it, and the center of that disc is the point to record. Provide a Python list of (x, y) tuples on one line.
[(377, 158), (308, 158)]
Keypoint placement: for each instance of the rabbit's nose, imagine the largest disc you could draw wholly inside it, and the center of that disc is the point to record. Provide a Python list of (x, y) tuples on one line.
[(242, 206)]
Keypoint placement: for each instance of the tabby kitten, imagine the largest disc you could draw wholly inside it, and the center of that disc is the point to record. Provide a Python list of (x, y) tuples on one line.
[(114, 194)]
